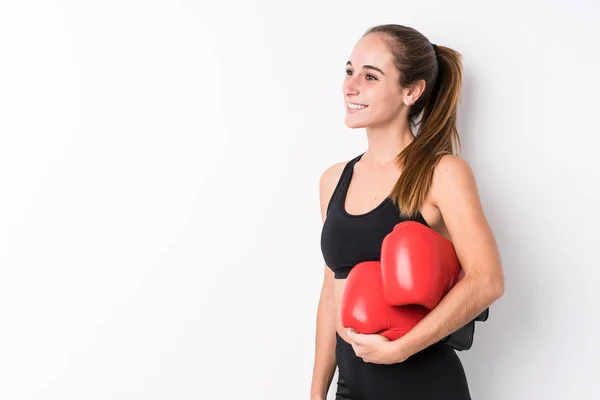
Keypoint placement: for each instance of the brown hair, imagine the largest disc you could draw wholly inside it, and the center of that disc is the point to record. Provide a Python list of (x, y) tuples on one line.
[(416, 59)]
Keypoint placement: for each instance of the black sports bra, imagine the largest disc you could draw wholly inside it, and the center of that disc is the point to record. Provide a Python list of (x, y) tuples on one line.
[(348, 239)]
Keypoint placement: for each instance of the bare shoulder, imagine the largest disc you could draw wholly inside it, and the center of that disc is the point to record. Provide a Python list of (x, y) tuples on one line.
[(327, 183), (453, 178), (331, 176)]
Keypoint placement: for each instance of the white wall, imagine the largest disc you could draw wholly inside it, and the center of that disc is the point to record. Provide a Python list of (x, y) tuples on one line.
[(159, 212)]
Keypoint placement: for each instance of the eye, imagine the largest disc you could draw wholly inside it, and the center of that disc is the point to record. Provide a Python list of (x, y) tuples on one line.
[(368, 76)]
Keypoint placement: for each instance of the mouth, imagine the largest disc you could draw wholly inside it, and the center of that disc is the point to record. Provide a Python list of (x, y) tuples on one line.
[(355, 107)]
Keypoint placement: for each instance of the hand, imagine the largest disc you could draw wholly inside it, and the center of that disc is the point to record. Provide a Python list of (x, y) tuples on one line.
[(375, 348)]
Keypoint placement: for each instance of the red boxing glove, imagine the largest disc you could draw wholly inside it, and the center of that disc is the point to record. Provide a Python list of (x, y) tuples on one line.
[(364, 309), (418, 265)]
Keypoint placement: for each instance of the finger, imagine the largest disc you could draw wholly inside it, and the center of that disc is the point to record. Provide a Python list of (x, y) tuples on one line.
[(357, 350), (355, 336)]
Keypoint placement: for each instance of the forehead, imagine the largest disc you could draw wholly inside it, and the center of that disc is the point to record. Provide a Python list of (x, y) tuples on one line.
[(372, 50)]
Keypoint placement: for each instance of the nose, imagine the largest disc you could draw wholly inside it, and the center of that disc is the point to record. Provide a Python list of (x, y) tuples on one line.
[(350, 86)]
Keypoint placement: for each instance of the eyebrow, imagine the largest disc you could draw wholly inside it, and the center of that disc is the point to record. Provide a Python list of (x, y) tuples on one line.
[(368, 67)]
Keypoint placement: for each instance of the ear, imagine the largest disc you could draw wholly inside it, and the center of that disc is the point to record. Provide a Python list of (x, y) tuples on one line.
[(413, 92)]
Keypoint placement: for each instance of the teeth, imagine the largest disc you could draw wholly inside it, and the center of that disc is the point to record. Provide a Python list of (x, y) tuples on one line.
[(356, 106)]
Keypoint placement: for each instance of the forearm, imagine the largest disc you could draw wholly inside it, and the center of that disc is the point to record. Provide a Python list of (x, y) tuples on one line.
[(463, 303), (325, 362)]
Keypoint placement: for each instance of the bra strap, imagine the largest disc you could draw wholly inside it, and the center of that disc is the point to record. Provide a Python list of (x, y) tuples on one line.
[(341, 188)]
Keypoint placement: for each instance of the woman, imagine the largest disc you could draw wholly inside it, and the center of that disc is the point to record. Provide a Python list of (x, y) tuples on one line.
[(394, 76)]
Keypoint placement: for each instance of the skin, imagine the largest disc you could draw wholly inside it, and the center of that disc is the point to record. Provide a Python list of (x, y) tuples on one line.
[(452, 208)]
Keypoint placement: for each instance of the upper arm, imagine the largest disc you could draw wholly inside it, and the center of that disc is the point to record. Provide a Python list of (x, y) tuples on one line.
[(455, 194)]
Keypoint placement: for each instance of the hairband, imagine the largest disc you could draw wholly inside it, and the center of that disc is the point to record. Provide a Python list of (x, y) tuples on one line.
[(435, 49)]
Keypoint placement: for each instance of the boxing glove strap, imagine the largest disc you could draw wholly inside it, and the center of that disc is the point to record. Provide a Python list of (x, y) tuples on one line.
[(484, 315), (462, 339)]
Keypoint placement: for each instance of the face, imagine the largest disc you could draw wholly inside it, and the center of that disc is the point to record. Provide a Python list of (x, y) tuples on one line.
[(372, 94)]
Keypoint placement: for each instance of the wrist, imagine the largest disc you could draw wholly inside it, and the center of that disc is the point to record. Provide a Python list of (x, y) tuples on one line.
[(400, 349)]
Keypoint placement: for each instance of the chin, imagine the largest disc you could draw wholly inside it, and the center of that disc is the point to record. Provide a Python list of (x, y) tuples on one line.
[(355, 124)]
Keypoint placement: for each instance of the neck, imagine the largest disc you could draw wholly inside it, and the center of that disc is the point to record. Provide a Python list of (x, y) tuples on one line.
[(384, 144)]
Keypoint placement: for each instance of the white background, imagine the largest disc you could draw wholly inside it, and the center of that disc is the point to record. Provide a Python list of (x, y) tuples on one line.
[(159, 209)]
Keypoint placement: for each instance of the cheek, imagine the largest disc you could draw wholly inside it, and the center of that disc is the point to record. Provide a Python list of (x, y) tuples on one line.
[(392, 97), (387, 103)]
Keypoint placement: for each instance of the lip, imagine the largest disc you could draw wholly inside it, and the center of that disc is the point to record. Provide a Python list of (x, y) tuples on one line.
[(352, 110)]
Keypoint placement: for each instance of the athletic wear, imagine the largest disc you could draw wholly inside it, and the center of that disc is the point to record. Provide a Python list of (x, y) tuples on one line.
[(348, 239), (434, 373)]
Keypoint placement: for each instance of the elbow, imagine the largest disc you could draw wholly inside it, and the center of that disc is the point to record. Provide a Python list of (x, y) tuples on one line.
[(490, 286), (494, 287), (497, 293)]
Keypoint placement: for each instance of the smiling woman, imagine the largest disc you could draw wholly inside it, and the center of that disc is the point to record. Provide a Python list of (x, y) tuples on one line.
[(397, 81)]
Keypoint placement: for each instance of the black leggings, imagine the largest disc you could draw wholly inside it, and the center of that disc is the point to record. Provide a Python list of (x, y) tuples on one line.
[(433, 373)]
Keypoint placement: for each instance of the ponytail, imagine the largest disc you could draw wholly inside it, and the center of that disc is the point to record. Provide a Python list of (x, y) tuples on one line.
[(441, 68)]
